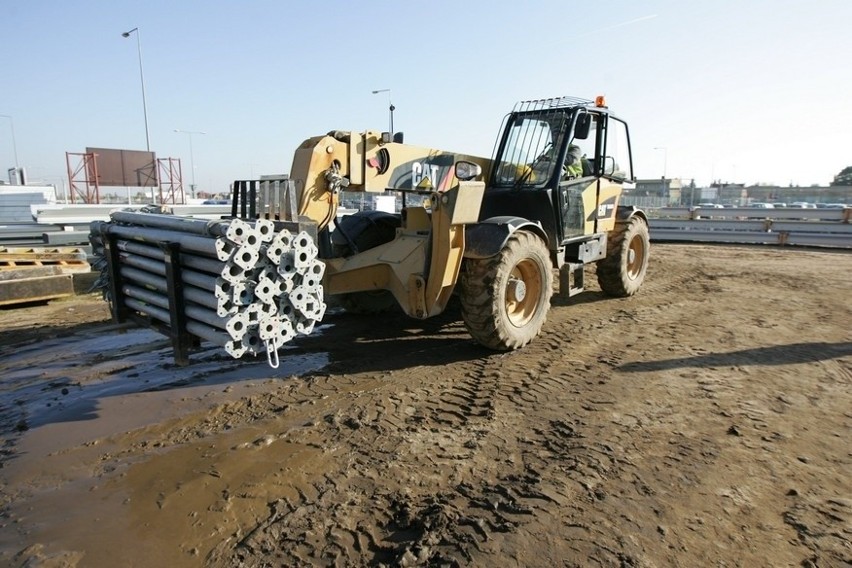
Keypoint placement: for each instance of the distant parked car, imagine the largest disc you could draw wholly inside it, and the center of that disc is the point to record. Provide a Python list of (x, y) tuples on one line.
[(711, 205), (762, 206), (803, 205)]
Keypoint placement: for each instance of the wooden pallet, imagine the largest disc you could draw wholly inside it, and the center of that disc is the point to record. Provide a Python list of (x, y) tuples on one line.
[(69, 260), (40, 273)]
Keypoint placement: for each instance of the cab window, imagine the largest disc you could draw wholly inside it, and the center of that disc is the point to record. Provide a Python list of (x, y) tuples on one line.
[(617, 162)]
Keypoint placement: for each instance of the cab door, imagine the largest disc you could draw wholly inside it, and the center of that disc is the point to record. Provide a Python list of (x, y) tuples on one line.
[(577, 198), (616, 165)]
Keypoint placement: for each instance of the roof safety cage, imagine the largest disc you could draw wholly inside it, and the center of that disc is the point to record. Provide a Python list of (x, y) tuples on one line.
[(558, 102)]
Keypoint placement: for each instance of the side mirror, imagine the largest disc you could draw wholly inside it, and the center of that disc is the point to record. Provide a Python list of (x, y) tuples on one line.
[(612, 170), (466, 171), (398, 137), (583, 126)]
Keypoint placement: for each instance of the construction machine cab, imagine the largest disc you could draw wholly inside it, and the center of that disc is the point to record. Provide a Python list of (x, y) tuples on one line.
[(532, 176)]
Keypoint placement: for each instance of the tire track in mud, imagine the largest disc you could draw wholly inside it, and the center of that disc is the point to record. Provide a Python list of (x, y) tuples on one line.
[(819, 523), (438, 425), (574, 451), (469, 485), (822, 521), (434, 421)]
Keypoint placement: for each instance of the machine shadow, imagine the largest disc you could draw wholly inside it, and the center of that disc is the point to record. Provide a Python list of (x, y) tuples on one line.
[(585, 297), (773, 355), (393, 341)]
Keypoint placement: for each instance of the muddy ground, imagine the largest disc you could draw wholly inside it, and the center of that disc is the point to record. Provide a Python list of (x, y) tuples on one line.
[(705, 422)]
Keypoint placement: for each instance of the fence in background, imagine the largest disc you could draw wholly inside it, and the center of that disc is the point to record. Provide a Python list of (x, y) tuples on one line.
[(823, 227)]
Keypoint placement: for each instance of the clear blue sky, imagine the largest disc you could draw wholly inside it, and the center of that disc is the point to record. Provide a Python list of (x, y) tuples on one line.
[(738, 90)]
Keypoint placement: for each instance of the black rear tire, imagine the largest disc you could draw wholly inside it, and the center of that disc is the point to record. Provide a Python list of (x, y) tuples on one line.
[(505, 298), (623, 270)]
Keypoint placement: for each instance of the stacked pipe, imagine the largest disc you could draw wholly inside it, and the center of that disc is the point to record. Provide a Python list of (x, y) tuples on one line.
[(246, 286)]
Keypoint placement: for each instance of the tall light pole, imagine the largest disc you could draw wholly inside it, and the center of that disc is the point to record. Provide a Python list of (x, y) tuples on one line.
[(665, 166), (14, 144), (141, 78), (391, 108), (191, 157)]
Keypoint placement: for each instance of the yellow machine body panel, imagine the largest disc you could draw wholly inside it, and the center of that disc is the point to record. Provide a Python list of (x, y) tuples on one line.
[(352, 161)]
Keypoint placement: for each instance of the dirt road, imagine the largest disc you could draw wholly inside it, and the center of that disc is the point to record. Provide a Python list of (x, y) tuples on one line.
[(706, 421)]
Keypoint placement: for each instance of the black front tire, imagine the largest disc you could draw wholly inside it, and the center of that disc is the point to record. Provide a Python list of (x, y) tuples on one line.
[(505, 298), (623, 270)]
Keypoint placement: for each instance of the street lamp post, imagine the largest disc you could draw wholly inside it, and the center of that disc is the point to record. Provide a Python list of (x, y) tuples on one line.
[(191, 157), (665, 166), (142, 79), (14, 144), (391, 108)]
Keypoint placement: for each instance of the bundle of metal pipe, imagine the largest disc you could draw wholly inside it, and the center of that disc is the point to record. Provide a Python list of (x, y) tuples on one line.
[(245, 286)]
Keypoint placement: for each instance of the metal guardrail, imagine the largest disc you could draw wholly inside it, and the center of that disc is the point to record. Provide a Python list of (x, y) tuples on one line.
[(751, 225)]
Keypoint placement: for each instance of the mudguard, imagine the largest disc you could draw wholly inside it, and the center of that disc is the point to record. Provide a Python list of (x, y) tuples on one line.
[(488, 237), (626, 212)]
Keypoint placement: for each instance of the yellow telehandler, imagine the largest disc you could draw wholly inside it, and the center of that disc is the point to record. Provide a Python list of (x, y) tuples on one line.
[(549, 201)]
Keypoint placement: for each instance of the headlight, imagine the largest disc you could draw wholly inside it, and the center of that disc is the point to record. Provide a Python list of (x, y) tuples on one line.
[(466, 171)]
